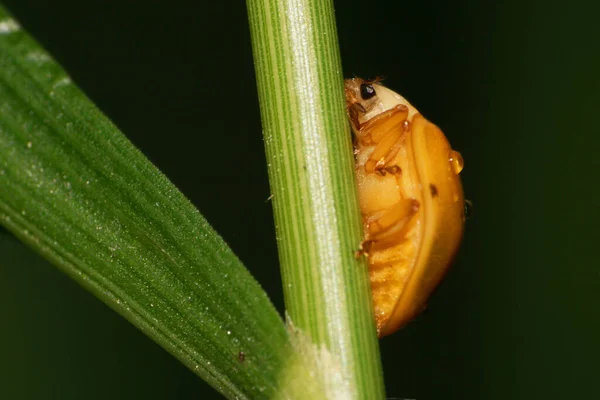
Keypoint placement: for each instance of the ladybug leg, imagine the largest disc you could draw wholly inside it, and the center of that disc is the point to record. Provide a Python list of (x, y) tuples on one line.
[(363, 248), (389, 169), (387, 133), (392, 223), (385, 228), (382, 156)]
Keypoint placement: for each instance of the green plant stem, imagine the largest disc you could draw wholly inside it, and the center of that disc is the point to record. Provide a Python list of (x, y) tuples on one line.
[(311, 170), (79, 193)]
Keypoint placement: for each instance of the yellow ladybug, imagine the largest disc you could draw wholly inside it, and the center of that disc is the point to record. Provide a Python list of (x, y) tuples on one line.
[(411, 200)]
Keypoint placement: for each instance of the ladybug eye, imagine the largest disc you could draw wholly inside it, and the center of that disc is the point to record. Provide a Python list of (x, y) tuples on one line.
[(367, 91)]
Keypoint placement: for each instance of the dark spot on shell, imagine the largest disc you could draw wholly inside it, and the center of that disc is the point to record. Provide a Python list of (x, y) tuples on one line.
[(434, 191)]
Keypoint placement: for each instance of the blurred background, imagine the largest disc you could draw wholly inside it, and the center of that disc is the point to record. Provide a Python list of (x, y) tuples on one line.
[(516, 88)]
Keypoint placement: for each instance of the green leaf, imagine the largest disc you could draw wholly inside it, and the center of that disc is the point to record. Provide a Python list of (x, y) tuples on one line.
[(76, 190), (311, 171)]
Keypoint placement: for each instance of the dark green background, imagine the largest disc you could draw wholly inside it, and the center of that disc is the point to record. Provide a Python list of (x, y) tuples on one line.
[(515, 87)]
